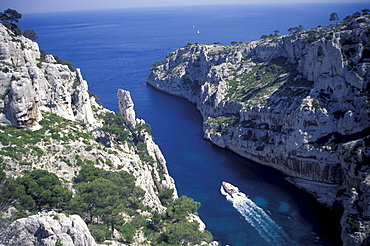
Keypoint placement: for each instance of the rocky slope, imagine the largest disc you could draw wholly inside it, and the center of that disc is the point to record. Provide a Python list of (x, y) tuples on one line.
[(50, 121), (298, 103), (47, 229), (30, 84), (33, 88)]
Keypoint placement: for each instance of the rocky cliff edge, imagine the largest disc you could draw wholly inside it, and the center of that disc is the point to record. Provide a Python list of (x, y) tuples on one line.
[(49, 120), (298, 103)]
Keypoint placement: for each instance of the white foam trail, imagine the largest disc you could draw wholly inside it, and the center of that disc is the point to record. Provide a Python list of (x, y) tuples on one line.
[(259, 219)]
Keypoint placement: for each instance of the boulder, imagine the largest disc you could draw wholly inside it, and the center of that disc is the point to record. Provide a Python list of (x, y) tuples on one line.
[(47, 229)]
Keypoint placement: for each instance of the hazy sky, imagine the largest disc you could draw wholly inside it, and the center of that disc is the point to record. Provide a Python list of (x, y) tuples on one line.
[(35, 6)]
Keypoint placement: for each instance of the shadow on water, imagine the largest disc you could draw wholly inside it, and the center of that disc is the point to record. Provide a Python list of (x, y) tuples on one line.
[(115, 49), (199, 167)]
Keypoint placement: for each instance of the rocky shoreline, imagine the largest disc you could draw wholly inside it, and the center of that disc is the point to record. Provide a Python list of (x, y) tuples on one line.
[(50, 121), (298, 103)]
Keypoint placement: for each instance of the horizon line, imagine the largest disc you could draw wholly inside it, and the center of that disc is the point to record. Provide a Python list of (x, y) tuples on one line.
[(193, 5)]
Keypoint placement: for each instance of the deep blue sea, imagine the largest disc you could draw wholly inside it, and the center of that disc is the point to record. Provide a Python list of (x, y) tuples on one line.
[(115, 49)]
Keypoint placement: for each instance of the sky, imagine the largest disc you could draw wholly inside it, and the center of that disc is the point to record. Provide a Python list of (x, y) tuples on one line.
[(40, 6)]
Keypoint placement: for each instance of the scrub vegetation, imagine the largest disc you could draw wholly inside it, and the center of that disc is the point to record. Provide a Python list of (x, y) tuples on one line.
[(107, 200), (258, 82)]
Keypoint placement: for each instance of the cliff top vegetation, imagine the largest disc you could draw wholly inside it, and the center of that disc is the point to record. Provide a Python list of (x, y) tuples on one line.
[(93, 170)]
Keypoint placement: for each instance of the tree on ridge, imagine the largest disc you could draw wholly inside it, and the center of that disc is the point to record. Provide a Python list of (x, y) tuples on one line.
[(334, 17), (8, 17), (30, 34)]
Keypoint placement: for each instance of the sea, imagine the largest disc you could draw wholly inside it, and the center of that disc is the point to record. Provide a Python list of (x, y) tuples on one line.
[(115, 48)]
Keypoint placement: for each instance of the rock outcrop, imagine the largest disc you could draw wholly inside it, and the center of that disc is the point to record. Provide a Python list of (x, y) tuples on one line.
[(126, 108), (31, 81), (47, 229), (68, 131), (158, 174), (33, 85), (298, 103)]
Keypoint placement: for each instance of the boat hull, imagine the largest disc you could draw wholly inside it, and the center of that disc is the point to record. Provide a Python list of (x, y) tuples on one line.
[(229, 188)]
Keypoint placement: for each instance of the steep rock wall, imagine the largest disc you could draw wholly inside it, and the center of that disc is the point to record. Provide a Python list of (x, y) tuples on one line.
[(30, 83), (33, 89), (298, 103)]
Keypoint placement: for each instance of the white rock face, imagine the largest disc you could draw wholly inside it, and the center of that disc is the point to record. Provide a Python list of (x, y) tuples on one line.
[(47, 229), (150, 175), (28, 85), (126, 108), (82, 101), (22, 107), (311, 121)]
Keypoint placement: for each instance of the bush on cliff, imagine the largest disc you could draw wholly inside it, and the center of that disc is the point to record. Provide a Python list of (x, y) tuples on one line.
[(113, 124), (30, 34), (185, 233), (174, 227), (166, 196), (102, 196), (100, 232), (38, 190), (68, 63), (181, 208), (4, 189)]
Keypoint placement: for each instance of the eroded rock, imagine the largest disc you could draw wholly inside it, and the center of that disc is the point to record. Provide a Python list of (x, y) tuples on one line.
[(47, 229), (298, 103)]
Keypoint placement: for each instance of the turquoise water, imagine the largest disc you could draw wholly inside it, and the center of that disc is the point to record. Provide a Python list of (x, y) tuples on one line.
[(115, 49)]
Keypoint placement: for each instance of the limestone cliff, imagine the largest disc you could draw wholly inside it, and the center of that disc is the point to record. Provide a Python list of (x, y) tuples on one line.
[(50, 121), (33, 86), (30, 82), (47, 229), (126, 107), (298, 103)]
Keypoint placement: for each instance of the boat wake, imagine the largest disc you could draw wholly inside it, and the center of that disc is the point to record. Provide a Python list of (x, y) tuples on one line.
[(258, 219)]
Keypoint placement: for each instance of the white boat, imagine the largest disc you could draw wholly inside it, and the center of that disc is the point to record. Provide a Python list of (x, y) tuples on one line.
[(229, 188)]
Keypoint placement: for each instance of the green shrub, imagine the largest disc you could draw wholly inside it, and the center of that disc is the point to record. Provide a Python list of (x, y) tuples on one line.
[(144, 126), (57, 59), (113, 124), (128, 232), (104, 194), (39, 190), (30, 34), (166, 196), (100, 232), (69, 64), (143, 153), (5, 94), (354, 225), (89, 148), (183, 233), (188, 45), (157, 63), (58, 243), (181, 207), (68, 162)]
